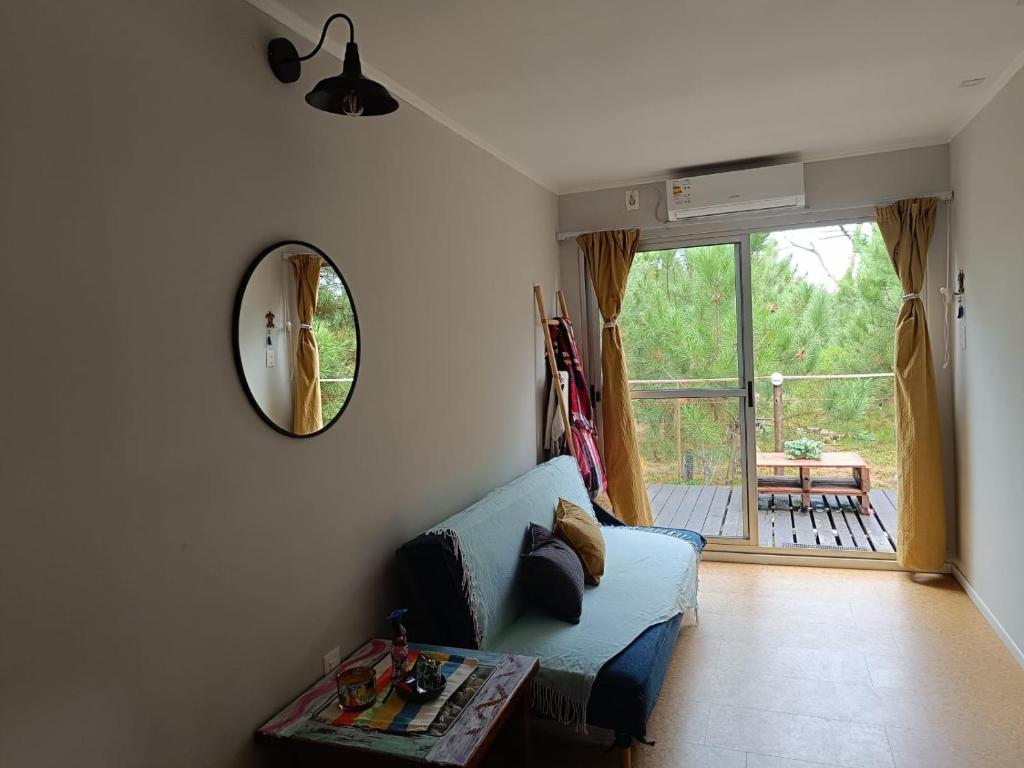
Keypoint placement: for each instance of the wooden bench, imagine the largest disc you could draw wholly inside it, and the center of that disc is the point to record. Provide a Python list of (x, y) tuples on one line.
[(858, 485)]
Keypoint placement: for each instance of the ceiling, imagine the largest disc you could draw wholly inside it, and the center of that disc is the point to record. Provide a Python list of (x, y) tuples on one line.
[(581, 94)]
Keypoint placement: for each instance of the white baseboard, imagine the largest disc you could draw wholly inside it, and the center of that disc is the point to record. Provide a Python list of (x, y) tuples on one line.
[(818, 561), (990, 617)]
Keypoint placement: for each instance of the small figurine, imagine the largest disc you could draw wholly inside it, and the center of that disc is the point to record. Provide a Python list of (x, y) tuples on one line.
[(399, 647)]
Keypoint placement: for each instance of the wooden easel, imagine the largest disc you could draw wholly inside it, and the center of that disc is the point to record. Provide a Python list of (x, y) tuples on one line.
[(546, 323)]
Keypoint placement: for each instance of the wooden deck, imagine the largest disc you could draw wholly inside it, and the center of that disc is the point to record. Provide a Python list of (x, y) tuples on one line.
[(834, 522)]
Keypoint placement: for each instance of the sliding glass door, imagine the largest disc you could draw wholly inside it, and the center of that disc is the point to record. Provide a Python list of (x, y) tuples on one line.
[(824, 305), (688, 352), (736, 348)]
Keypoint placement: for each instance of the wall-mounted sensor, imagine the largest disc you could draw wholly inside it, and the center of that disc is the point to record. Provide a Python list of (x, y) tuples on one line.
[(632, 200)]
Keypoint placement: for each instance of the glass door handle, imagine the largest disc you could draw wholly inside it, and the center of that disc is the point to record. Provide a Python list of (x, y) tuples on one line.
[(750, 394)]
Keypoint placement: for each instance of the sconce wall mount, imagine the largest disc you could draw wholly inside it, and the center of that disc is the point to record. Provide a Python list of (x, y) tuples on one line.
[(284, 60), (349, 93)]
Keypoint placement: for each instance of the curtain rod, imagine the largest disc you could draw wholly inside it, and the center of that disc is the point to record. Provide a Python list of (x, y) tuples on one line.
[(944, 196)]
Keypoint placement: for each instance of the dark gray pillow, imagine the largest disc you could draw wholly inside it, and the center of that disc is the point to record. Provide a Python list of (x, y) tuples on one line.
[(551, 575)]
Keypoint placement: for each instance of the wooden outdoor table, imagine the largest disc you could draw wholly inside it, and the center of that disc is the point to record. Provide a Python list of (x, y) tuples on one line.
[(859, 486), (503, 698)]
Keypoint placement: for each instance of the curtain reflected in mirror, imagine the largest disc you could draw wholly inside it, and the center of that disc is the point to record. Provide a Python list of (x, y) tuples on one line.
[(296, 339)]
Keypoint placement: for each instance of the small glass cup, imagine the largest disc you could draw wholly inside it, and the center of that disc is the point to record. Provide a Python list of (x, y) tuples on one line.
[(357, 688)]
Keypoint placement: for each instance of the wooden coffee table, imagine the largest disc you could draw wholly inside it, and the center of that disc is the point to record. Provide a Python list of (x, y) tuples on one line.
[(503, 699), (805, 485)]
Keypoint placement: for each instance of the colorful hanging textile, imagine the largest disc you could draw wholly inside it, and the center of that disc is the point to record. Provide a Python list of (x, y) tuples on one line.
[(581, 411)]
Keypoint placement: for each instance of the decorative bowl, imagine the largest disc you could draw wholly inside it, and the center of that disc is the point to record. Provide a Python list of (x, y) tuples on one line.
[(410, 690)]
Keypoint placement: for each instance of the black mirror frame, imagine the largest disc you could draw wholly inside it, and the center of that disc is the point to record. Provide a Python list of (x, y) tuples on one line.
[(238, 352)]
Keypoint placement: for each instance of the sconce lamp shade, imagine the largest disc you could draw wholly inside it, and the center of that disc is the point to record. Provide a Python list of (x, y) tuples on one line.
[(349, 93)]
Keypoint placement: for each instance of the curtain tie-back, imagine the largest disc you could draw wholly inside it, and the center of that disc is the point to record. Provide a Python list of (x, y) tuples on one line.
[(307, 326), (911, 296), (611, 323)]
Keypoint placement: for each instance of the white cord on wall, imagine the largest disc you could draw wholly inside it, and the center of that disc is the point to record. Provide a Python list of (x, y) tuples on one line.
[(947, 296)]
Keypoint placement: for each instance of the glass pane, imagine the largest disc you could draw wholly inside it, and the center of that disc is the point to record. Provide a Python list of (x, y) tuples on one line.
[(679, 319), (334, 325), (692, 455), (825, 302)]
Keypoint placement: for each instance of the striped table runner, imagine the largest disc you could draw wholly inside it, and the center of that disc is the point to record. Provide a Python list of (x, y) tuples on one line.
[(396, 715)]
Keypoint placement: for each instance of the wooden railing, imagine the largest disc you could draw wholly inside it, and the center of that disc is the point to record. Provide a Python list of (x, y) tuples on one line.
[(688, 383), (777, 380)]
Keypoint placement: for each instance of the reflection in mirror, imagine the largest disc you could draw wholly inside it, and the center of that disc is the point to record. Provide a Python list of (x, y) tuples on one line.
[(296, 338)]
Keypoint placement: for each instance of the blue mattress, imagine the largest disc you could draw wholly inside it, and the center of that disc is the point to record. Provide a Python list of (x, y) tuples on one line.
[(627, 687)]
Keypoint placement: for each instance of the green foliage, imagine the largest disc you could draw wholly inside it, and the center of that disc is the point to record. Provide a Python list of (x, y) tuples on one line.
[(802, 448), (335, 329), (678, 322), (848, 401), (673, 293)]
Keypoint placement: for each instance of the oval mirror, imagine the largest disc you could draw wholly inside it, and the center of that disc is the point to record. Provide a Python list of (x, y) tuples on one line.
[(296, 338)]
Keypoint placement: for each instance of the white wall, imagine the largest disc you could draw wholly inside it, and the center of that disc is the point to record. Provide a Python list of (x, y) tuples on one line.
[(171, 569), (270, 289), (987, 163), (835, 189)]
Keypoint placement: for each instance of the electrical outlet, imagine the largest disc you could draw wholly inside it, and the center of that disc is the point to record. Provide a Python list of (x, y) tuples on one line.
[(632, 200), (332, 659)]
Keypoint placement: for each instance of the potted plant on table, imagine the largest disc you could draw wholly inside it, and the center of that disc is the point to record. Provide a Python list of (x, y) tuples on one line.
[(803, 448)]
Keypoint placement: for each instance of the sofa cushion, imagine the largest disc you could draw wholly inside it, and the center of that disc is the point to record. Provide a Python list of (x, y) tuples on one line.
[(551, 575), (581, 531)]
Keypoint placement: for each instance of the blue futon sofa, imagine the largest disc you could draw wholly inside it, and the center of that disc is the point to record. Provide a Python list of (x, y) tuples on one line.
[(627, 687)]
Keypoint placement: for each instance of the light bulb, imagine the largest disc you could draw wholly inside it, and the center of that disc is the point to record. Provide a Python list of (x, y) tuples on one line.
[(351, 105)]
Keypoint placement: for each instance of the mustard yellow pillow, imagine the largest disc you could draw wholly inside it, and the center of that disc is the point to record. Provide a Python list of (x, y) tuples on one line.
[(578, 528)]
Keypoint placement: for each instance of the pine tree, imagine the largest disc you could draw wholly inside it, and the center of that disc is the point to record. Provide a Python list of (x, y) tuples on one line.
[(678, 322)]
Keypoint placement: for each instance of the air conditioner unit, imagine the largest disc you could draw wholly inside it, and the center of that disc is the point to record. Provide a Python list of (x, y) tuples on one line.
[(757, 189)]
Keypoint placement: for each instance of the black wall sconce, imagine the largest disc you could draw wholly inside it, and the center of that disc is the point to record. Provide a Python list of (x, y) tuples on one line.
[(346, 94)]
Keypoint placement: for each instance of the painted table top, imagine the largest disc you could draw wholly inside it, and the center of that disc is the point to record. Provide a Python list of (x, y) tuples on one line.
[(460, 745)]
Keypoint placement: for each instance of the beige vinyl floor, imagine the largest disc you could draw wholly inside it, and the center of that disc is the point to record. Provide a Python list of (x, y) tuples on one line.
[(803, 667)]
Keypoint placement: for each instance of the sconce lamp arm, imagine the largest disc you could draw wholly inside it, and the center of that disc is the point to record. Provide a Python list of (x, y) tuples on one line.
[(323, 35)]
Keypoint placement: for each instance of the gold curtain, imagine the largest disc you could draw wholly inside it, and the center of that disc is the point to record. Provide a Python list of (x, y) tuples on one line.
[(307, 416), (907, 228), (609, 256)]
